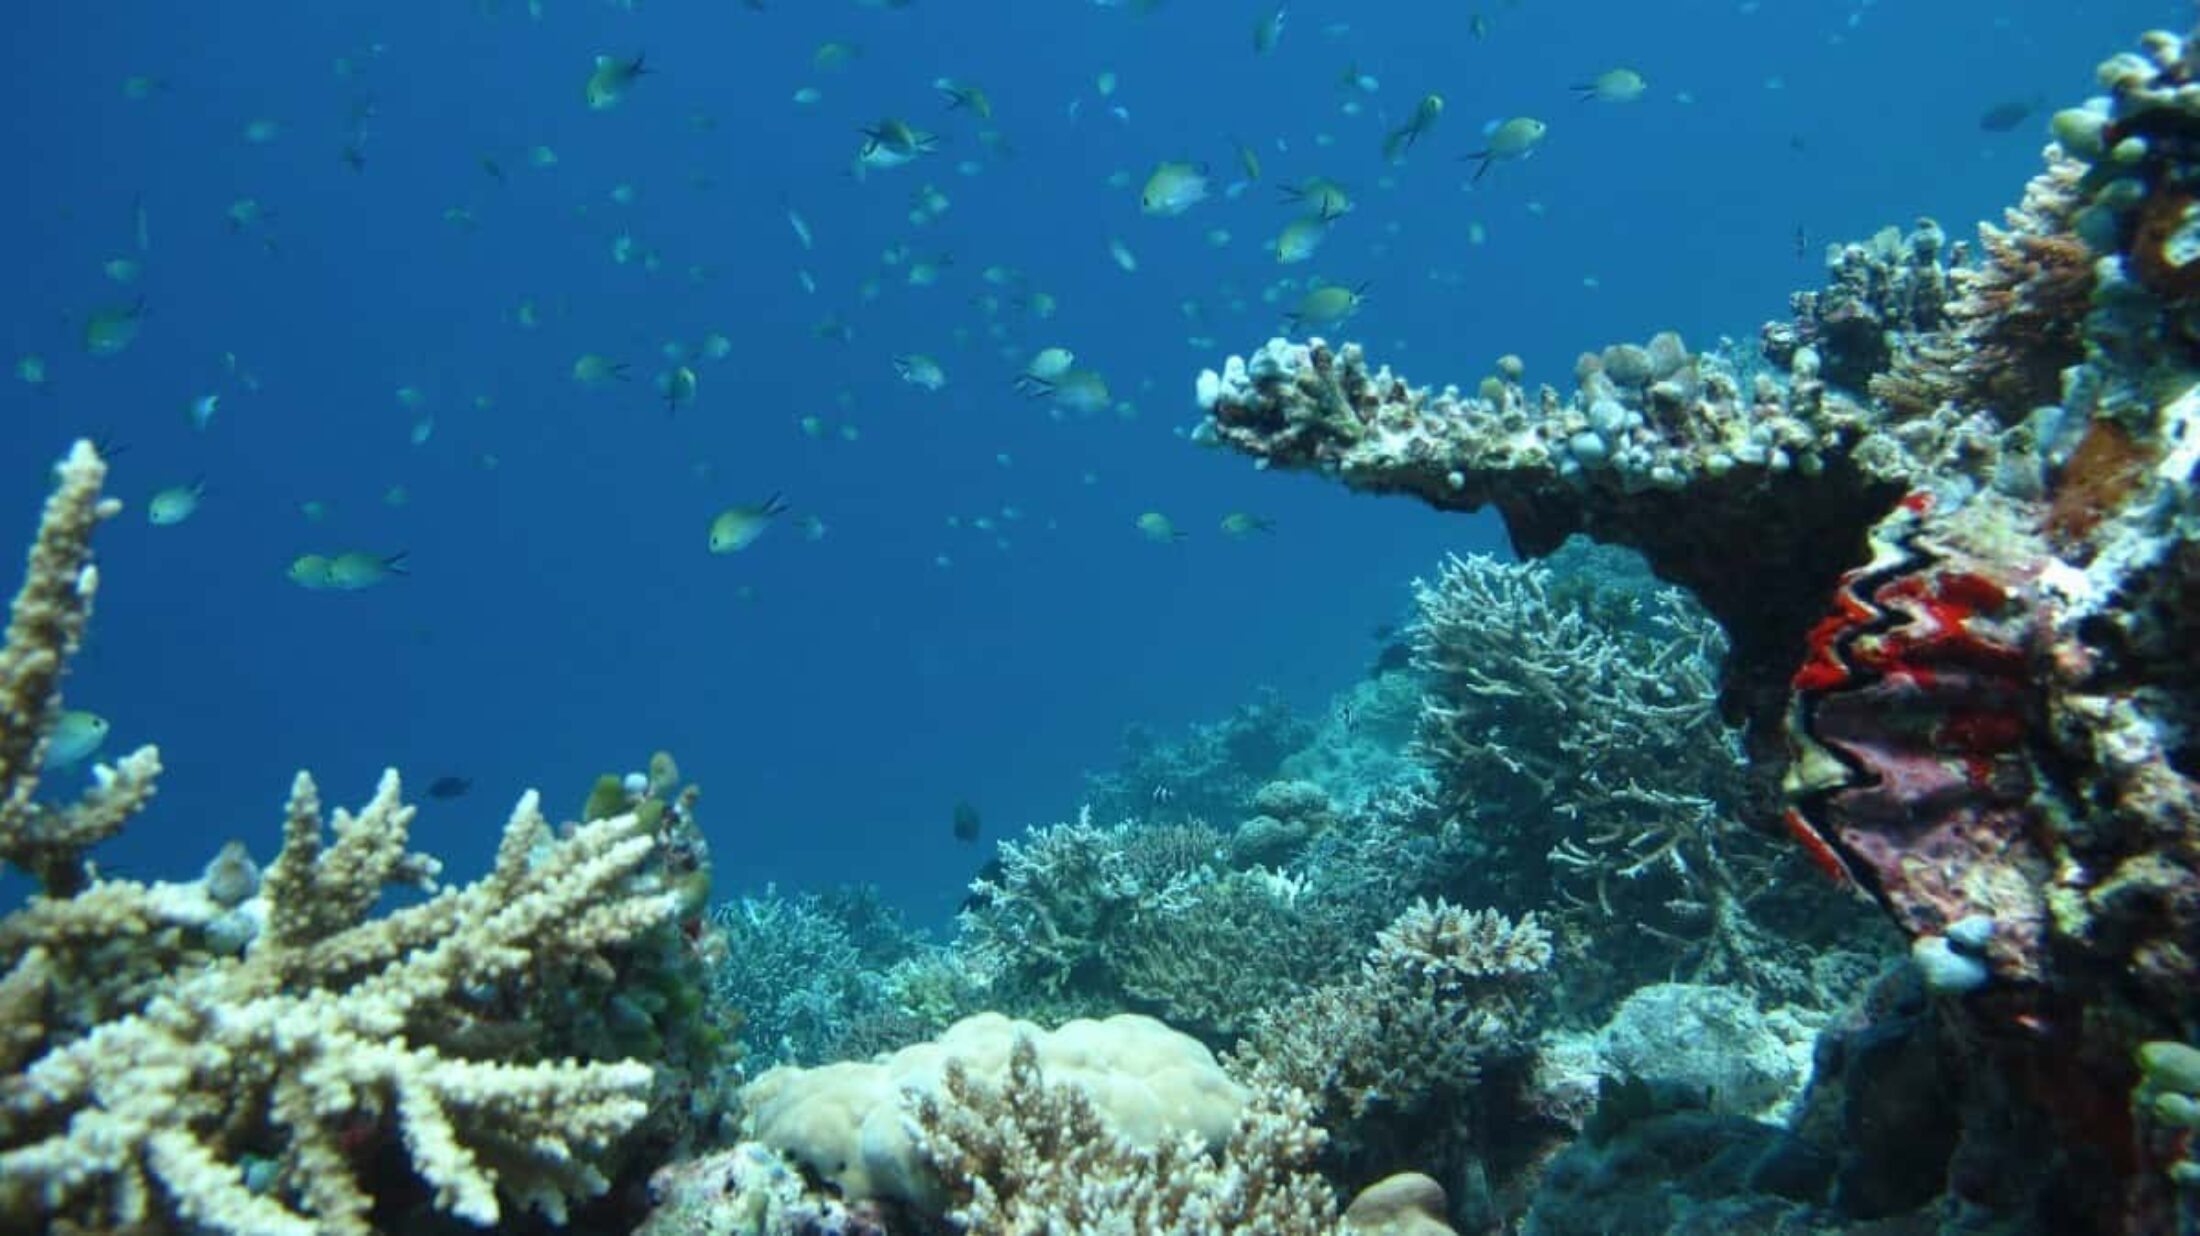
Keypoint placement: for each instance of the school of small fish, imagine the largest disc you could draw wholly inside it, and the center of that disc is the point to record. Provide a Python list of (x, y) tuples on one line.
[(1286, 215)]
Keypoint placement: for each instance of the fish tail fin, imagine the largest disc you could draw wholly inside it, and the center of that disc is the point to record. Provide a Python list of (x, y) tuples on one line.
[(395, 563)]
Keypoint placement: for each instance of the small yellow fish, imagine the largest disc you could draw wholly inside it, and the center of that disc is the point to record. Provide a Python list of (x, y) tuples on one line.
[(594, 370), (31, 368), (1242, 524), (1049, 363), (75, 735), (1401, 139), (1078, 390), (1326, 306), (678, 387), (1155, 526), (1248, 161), (833, 54), (892, 142), (309, 571), (1267, 31), (965, 95), (173, 505), (1327, 198), (612, 77), (110, 330), (349, 572), (1613, 86), (1516, 138), (1173, 189), (920, 371), (736, 528), (1300, 238)]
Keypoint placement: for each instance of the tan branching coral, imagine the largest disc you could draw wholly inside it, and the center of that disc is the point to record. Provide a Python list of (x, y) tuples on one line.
[(1440, 992), (45, 626), (1034, 1155), (1585, 733), (161, 1080)]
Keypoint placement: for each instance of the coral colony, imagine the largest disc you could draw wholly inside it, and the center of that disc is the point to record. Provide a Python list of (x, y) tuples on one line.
[(1925, 619)]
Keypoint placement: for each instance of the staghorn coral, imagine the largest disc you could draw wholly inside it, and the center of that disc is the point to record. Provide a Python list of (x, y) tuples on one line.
[(232, 1093), (794, 968), (1082, 920), (1247, 941), (45, 627), (1044, 919), (1437, 996), (1590, 752), (1032, 1154)]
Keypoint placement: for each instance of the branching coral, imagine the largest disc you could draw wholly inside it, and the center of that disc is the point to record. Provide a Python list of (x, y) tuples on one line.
[(1438, 994), (1594, 745), (45, 627), (1062, 892), (1152, 917), (795, 970), (1034, 1155), (231, 1093)]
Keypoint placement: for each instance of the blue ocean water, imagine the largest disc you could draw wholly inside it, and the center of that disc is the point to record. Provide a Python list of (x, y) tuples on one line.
[(560, 615)]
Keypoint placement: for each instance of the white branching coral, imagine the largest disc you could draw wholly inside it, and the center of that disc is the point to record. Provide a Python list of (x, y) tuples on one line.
[(45, 626), (1575, 721), (1035, 1155), (158, 1081), (1437, 995)]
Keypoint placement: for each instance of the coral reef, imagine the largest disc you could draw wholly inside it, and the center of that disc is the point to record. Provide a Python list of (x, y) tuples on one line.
[(1713, 1040), (1569, 721), (280, 1030), (1952, 529), (1078, 919), (806, 971), (1444, 994), (1205, 775), (846, 1121), (1031, 1154)]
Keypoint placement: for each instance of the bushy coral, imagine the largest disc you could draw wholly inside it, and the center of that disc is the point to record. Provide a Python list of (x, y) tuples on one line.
[(230, 1084), (1442, 991), (805, 971), (1031, 1155), (1593, 750)]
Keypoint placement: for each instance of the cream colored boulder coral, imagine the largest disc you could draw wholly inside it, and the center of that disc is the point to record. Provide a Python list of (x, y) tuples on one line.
[(848, 1122), (1406, 1204)]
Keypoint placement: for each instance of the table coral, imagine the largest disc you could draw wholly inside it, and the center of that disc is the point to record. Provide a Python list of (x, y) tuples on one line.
[(236, 1089), (1952, 527)]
